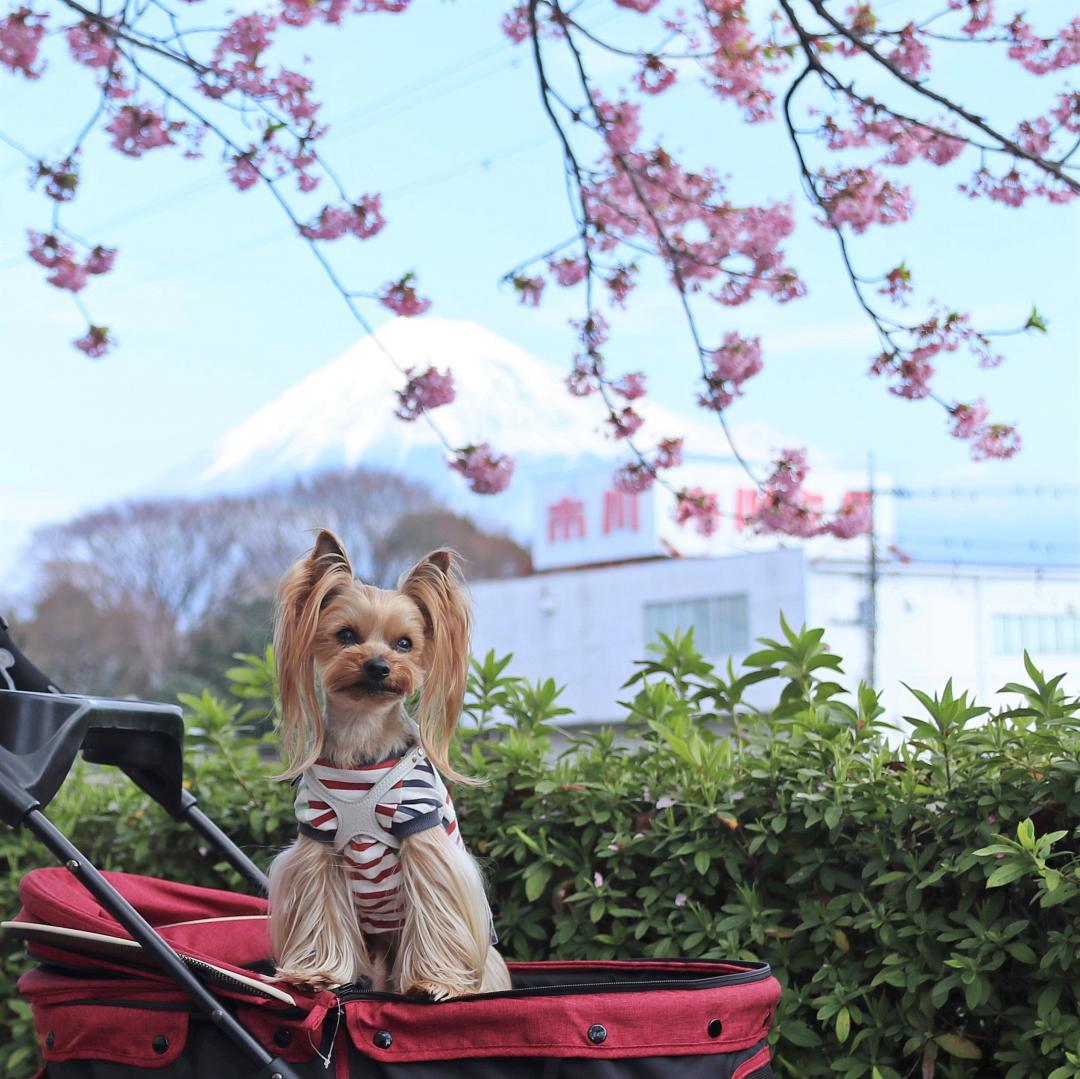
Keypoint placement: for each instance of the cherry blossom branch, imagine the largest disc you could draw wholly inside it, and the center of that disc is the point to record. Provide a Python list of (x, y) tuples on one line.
[(1006, 143), (272, 184)]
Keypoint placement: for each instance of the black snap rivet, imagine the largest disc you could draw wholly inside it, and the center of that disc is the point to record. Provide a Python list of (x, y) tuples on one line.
[(597, 1033), (160, 1044), (383, 1039), (282, 1037), (50, 1040), (716, 1028)]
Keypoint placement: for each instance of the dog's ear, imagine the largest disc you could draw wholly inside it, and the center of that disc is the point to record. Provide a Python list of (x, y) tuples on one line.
[(437, 586), (328, 556), (303, 592)]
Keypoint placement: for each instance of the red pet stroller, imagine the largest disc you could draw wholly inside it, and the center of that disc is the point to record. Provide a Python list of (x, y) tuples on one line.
[(143, 977)]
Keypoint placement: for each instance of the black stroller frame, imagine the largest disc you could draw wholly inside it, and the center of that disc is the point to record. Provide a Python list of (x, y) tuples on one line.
[(42, 731)]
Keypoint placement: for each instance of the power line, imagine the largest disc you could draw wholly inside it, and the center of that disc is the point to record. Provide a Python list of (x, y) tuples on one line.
[(1061, 490), (279, 233)]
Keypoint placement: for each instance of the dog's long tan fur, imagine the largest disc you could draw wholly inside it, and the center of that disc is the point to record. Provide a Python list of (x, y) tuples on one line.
[(443, 950)]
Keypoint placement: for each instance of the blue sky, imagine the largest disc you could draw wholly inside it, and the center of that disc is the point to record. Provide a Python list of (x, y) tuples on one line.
[(219, 307)]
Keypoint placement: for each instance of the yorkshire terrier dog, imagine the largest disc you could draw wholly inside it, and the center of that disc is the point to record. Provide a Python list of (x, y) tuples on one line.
[(378, 884)]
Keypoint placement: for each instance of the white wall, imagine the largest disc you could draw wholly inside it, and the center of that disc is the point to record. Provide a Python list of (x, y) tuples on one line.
[(936, 623), (585, 628)]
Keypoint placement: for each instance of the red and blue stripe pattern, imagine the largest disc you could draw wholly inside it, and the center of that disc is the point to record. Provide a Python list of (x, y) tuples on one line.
[(418, 801)]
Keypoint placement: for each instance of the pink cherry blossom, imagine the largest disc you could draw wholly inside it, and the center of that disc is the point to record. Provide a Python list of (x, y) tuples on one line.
[(1067, 111), (634, 478), (898, 284), (136, 129), (739, 63), (624, 423), (669, 453), (582, 380), (100, 260), (911, 56), (400, 296), (783, 506), (996, 440), (423, 392), (980, 14), (1008, 188), (853, 518), (68, 275), (642, 6), (789, 472), (967, 420), (869, 125), (631, 386), (912, 372), (1041, 55), (860, 197), (640, 475), (567, 271), (248, 36), (705, 234), (21, 32), (1035, 136), (291, 89), (91, 44), (735, 361), (48, 250), (515, 24), (61, 179), (593, 331), (96, 342), (654, 76), (702, 508), (621, 283), (620, 123), (486, 472), (529, 289), (363, 219), (243, 173), (304, 12)]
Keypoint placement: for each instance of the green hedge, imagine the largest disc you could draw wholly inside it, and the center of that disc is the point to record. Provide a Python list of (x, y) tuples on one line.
[(917, 894)]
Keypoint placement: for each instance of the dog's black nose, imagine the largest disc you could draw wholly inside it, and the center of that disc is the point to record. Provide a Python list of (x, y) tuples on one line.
[(376, 669)]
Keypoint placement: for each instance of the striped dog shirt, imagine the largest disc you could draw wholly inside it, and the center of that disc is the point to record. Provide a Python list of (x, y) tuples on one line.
[(365, 812)]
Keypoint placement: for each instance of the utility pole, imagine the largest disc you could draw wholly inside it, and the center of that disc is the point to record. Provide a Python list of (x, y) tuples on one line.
[(872, 578)]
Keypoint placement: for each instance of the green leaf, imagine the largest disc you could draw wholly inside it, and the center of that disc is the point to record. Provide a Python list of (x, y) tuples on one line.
[(843, 1024), (1036, 321), (799, 1034), (1006, 874), (702, 861), (956, 1046), (536, 880)]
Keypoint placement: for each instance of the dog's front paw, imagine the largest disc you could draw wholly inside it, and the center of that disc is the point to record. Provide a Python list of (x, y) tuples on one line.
[(437, 990), (312, 981)]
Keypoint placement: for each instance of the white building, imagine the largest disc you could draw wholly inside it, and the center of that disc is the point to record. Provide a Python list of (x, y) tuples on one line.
[(609, 582)]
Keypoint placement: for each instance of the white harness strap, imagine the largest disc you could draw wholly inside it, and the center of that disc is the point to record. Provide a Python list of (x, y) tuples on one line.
[(355, 810)]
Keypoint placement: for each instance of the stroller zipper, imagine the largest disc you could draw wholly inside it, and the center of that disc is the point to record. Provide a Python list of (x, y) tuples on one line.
[(349, 993), (208, 973)]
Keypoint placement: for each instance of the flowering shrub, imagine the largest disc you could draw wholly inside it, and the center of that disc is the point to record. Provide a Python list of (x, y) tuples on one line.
[(919, 898), (857, 94)]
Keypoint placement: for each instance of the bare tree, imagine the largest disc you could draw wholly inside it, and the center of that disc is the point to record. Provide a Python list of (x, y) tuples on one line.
[(141, 597)]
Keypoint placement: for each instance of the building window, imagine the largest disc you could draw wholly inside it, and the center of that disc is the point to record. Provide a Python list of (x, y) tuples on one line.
[(1041, 634), (721, 623)]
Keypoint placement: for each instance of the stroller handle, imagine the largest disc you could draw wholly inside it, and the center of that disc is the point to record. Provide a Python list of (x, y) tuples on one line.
[(16, 671), (144, 739)]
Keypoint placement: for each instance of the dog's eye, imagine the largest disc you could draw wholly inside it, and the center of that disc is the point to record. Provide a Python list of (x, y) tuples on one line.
[(347, 636), (403, 644)]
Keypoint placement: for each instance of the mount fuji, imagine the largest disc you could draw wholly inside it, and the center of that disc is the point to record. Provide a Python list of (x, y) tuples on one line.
[(342, 416)]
